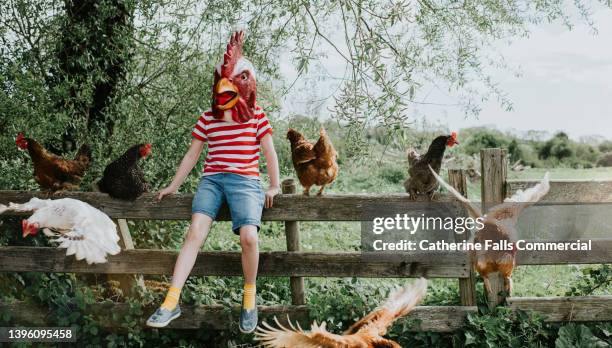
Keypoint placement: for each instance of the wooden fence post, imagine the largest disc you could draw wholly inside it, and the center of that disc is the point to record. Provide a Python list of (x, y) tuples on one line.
[(126, 281), (292, 233), (494, 176), (467, 286)]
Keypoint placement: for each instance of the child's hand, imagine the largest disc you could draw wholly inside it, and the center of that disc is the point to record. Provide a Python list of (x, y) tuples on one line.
[(164, 192), (270, 193)]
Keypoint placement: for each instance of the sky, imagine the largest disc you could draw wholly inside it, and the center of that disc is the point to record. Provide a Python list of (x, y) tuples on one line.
[(565, 83)]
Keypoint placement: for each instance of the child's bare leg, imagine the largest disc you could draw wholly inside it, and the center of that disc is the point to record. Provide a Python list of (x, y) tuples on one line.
[(198, 231), (250, 253), (250, 261), (169, 310)]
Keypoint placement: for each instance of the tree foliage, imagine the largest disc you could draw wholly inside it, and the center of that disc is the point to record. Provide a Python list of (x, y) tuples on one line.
[(98, 65)]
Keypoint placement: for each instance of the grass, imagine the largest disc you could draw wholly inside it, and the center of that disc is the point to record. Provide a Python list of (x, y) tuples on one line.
[(602, 173)]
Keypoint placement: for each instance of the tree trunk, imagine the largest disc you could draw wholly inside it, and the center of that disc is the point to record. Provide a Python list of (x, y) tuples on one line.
[(92, 58)]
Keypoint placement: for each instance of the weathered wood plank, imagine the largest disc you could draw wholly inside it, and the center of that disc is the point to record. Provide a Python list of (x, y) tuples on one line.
[(218, 263), (313, 264), (439, 318), (581, 308), (569, 191), (425, 318), (287, 207), (467, 286), (216, 317), (292, 235), (493, 184)]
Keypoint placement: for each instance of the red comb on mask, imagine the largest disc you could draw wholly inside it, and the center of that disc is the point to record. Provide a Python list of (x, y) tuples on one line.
[(234, 86)]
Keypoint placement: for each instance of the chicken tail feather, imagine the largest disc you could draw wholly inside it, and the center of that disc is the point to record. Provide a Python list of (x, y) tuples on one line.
[(399, 303), (402, 301), (532, 194), (472, 209)]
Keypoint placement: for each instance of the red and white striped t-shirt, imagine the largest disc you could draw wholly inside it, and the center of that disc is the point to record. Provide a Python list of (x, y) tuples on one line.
[(232, 147)]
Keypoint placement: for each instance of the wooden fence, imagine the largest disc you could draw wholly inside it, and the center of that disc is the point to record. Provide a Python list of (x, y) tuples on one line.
[(296, 264)]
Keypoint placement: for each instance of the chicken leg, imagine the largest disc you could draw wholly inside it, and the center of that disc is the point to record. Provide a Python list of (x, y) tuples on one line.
[(487, 284), (320, 193)]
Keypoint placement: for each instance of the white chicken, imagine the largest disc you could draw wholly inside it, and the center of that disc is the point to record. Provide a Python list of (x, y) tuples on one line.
[(76, 226)]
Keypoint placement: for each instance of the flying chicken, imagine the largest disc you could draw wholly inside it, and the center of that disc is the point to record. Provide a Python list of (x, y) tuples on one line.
[(499, 224), (366, 333)]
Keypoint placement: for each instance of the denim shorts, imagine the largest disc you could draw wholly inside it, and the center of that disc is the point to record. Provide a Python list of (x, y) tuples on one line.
[(243, 195)]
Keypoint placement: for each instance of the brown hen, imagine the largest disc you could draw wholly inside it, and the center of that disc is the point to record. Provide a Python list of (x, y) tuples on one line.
[(315, 164), (54, 173), (366, 333), (421, 182), (499, 227)]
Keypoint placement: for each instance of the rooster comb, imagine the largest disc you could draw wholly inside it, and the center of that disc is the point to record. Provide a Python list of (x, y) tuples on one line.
[(233, 52), (20, 136), (454, 135)]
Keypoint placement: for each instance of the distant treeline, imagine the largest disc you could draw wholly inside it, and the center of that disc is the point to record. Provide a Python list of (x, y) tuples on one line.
[(558, 151)]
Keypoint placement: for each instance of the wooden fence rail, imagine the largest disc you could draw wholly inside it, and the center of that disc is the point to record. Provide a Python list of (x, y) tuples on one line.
[(281, 263), (423, 318), (287, 207), (285, 264)]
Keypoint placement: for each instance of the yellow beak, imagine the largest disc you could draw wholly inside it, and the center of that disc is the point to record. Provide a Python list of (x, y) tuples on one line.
[(224, 86)]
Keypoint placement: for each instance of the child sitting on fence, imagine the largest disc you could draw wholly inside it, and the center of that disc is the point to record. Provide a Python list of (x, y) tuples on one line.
[(235, 129)]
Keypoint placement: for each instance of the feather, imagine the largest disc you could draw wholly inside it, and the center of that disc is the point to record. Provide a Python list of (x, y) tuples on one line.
[(364, 333), (413, 156), (532, 194), (473, 210), (399, 303), (513, 206)]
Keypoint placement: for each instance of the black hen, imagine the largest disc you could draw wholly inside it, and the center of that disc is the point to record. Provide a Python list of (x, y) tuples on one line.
[(421, 181), (123, 178)]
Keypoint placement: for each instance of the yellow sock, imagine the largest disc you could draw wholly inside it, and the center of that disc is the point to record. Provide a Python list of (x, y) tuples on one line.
[(248, 299), (172, 298)]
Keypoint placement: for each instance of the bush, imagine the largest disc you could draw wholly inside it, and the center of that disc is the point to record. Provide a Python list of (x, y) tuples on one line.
[(559, 147), (605, 160), (605, 146), (483, 138)]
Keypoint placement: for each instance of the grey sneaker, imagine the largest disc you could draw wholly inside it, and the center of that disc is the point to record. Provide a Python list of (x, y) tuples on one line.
[(162, 317), (248, 320)]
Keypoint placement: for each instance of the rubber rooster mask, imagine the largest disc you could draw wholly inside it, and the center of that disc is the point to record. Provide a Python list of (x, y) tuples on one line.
[(234, 87)]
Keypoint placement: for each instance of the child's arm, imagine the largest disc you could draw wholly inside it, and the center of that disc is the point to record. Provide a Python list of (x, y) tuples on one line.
[(189, 161), (272, 162)]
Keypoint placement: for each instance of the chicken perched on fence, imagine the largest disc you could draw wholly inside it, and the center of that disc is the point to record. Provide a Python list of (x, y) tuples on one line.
[(421, 182), (123, 178), (366, 333), (315, 164), (499, 225), (76, 226), (54, 173)]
